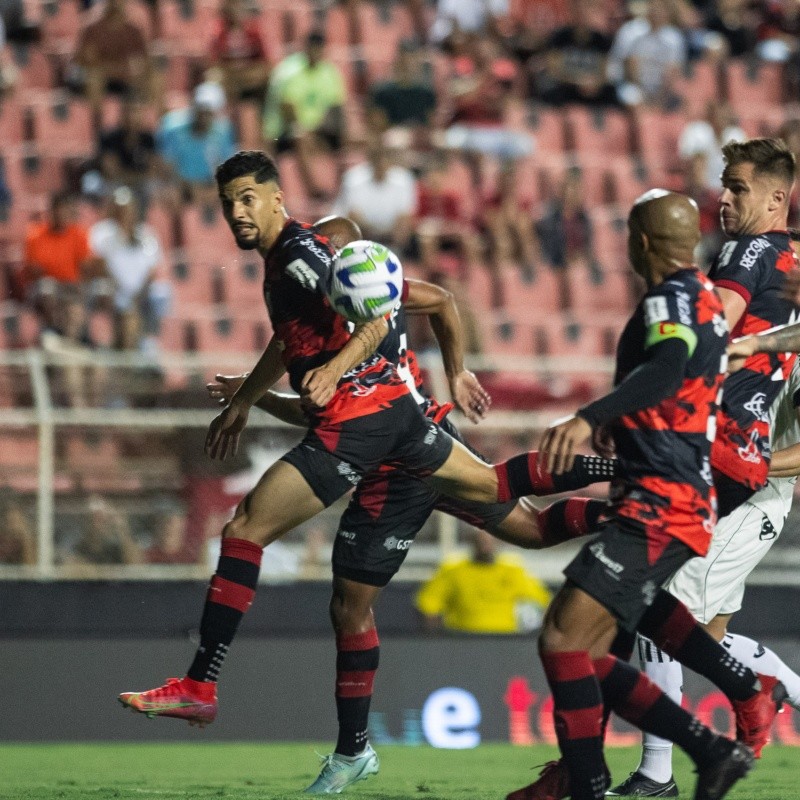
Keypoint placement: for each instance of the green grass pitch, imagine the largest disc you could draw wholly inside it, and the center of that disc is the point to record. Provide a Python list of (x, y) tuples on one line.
[(273, 771)]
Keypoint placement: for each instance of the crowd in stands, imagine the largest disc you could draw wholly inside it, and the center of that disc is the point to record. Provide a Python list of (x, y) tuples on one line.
[(494, 144)]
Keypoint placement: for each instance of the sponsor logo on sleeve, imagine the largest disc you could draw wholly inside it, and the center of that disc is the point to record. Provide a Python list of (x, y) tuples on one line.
[(655, 310), (303, 274)]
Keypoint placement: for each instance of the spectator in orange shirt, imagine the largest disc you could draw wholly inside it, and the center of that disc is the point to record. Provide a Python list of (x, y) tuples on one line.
[(57, 256), (238, 51)]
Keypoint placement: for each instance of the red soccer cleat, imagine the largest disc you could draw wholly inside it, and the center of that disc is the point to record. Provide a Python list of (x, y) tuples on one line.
[(552, 784), (194, 701), (754, 716)]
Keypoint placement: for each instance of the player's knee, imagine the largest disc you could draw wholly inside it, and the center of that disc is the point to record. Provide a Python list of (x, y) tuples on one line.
[(242, 526), (351, 614)]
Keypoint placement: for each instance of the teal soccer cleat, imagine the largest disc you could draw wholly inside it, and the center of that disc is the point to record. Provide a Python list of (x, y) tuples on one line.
[(339, 772)]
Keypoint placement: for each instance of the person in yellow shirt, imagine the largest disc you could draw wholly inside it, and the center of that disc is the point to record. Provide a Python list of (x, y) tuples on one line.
[(304, 110), (481, 593)]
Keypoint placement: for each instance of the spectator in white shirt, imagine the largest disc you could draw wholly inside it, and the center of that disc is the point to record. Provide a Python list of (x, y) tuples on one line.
[(647, 55), (131, 254), (380, 197), (466, 16), (706, 137)]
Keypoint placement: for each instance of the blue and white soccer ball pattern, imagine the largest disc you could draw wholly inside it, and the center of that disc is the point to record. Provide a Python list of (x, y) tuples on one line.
[(366, 281)]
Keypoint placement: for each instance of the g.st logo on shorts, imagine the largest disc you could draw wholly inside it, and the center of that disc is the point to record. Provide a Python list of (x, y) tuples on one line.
[(393, 543)]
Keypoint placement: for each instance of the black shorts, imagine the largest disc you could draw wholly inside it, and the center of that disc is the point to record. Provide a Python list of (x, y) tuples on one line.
[(334, 457), (624, 567), (332, 139), (385, 514)]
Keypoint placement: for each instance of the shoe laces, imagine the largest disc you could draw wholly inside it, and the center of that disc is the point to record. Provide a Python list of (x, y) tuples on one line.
[(330, 763)]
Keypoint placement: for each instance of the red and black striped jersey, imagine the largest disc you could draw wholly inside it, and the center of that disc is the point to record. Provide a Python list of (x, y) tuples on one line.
[(664, 450), (755, 267), (297, 269)]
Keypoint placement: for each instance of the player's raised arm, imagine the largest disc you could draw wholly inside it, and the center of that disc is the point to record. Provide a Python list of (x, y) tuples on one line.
[(426, 298), (319, 384)]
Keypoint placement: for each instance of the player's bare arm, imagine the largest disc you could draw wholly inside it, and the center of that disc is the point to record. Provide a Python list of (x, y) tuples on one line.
[(223, 433), (283, 406), (439, 305), (734, 304), (782, 340), (319, 384)]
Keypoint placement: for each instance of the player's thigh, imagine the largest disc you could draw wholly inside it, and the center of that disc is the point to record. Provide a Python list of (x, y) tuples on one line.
[(386, 512), (280, 501), (576, 620), (624, 567), (464, 475), (714, 584)]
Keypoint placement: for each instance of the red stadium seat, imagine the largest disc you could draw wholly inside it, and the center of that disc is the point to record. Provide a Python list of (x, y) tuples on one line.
[(205, 233), (533, 301), (11, 123), (192, 281), (563, 338), (657, 135), (613, 294), (63, 127), (753, 84), (699, 84), (243, 279), (173, 337), (36, 69), (548, 128), (598, 133), (225, 334)]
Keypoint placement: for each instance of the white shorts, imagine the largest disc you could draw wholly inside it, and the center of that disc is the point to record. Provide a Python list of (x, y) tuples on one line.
[(714, 584)]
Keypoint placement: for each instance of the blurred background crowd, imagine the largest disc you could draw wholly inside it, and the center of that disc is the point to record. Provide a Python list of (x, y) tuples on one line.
[(495, 145)]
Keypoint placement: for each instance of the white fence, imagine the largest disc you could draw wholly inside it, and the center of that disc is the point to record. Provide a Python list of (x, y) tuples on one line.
[(34, 376)]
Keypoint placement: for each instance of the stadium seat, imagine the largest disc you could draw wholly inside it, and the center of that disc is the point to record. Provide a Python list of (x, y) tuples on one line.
[(11, 123), (173, 337), (628, 179), (192, 281), (206, 233), (535, 300), (564, 338), (657, 135), (547, 126), (36, 69), (597, 133), (248, 121), (60, 25), (63, 127), (699, 83), (243, 279), (613, 294), (752, 83), (160, 220), (224, 334), (33, 176)]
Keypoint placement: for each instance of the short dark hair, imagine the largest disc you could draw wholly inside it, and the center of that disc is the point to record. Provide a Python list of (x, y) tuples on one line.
[(247, 162), (768, 157)]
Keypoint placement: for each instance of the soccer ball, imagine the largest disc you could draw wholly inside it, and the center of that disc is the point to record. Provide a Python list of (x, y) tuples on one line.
[(366, 281)]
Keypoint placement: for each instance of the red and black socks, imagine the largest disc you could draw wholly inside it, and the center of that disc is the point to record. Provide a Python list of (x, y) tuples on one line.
[(230, 594), (357, 657), (578, 714), (670, 626), (632, 695), (526, 474), (568, 519)]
